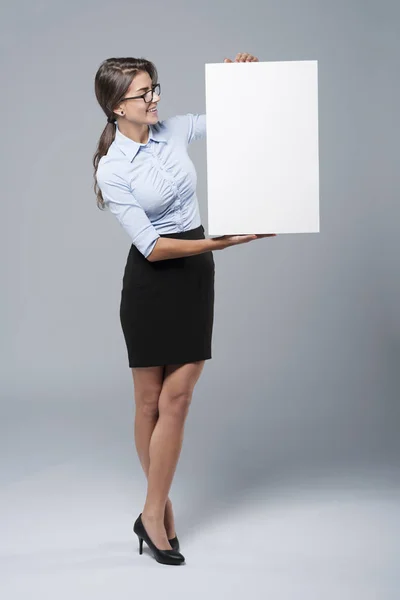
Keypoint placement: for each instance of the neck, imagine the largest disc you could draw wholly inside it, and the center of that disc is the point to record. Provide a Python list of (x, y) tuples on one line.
[(137, 133)]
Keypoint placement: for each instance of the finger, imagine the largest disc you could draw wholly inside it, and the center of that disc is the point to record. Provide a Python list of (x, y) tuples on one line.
[(246, 57), (227, 60)]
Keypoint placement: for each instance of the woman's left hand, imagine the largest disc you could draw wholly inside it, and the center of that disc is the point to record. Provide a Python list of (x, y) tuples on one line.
[(242, 57)]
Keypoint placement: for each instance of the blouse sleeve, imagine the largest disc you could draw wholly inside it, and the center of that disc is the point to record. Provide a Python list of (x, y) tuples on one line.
[(130, 214), (189, 126), (196, 127)]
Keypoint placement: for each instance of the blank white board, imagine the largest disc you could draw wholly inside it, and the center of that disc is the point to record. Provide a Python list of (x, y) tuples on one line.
[(262, 147)]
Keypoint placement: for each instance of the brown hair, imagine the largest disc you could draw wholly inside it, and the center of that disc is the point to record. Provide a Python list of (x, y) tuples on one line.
[(111, 83)]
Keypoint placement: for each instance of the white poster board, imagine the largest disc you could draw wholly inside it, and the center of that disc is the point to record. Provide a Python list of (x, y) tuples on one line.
[(262, 147)]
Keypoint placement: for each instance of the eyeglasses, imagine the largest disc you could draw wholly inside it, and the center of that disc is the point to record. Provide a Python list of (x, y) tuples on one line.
[(147, 96)]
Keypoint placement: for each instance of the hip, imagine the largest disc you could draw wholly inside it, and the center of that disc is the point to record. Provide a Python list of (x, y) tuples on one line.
[(141, 272)]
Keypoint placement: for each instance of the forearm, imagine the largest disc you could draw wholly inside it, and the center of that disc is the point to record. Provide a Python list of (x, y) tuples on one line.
[(175, 248)]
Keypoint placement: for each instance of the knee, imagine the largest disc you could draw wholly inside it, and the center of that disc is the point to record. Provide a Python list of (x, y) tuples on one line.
[(147, 403), (175, 405)]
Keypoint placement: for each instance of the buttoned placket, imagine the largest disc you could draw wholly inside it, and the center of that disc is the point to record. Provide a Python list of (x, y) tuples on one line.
[(167, 177)]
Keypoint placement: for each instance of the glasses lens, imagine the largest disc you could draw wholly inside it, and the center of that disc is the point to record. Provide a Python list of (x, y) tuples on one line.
[(149, 96)]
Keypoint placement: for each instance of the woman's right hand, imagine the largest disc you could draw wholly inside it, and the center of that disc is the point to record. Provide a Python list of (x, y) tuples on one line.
[(224, 241)]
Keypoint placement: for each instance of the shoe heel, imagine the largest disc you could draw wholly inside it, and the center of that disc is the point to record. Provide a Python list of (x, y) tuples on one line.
[(168, 557)]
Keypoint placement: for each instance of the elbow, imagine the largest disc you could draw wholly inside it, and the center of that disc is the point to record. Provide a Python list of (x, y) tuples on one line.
[(151, 257)]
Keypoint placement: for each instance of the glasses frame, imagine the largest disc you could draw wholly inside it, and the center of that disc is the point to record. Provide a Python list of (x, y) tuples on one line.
[(143, 95)]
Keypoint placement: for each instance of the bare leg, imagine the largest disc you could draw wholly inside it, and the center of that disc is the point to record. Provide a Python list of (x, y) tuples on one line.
[(166, 443), (148, 382)]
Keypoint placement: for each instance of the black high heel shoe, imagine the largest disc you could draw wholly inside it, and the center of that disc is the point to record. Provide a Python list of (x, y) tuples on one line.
[(174, 543), (167, 557)]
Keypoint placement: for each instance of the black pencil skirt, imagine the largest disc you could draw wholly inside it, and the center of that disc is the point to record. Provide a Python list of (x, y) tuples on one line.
[(167, 306)]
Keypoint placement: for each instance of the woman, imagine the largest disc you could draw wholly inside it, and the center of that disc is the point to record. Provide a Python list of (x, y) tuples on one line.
[(144, 175)]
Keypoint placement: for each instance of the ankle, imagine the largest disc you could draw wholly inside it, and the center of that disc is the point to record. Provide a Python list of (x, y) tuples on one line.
[(153, 514)]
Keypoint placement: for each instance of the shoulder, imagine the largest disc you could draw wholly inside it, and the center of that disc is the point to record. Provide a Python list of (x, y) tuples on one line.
[(188, 125), (111, 171), (112, 166)]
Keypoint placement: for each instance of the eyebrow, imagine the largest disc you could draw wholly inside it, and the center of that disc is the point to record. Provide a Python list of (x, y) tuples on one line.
[(143, 88)]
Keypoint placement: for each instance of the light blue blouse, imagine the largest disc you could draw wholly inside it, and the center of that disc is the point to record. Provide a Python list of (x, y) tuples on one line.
[(151, 188)]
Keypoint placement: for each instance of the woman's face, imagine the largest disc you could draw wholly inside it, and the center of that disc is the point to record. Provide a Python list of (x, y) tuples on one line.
[(137, 110)]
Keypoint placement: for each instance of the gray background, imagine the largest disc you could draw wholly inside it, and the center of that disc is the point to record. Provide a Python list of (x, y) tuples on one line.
[(303, 388)]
